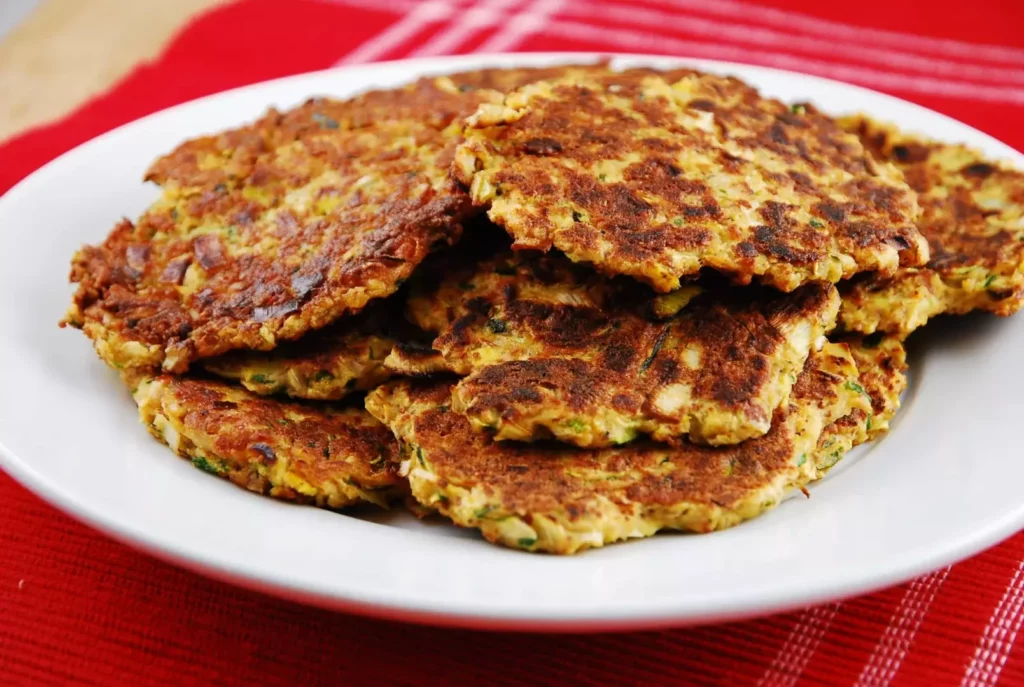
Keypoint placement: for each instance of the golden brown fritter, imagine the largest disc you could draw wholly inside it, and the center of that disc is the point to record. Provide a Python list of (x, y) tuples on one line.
[(246, 249), (345, 356), (504, 80), (551, 349), (235, 155), (656, 180), (881, 367), (434, 101), (564, 499), (415, 360), (972, 213), (331, 457)]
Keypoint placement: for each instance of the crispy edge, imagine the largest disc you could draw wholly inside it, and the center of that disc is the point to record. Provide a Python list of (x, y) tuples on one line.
[(107, 274), (903, 302), (414, 360), (284, 450), (903, 246), (408, 408), (580, 402), (881, 365), (324, 365)]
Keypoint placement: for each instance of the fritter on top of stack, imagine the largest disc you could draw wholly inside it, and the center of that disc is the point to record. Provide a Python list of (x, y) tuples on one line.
[(622, 300)]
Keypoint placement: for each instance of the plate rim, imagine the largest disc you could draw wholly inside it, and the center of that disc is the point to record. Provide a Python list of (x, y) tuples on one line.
[(656, 615)]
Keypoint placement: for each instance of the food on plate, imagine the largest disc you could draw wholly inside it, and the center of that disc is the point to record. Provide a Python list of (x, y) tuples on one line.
[(972, 213), (434, 101), (344, 357), (552, 349), (415, 360), (657, 180), (647, 339), (504, 80), (563, 499), (246, 256), (324, 455), (881, 365)]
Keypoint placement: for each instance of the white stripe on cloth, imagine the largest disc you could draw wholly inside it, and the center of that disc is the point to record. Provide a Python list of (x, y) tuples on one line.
[(893, 645), (482, 15), (791, 21), (1000, 634), (781, 40), (529, 21), (400, 32), (827, 28), (534, 22), (640, 42), (802, 642)]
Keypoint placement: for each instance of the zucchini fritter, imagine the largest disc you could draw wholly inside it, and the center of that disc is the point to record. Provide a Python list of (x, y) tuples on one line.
[(266, 233), (563, 499), (431, 101), (881, 367), (553, 349), (972, 213), (321, 455), (415, 360), (325, 365), (504, 80), (345, 356), (656, 180)]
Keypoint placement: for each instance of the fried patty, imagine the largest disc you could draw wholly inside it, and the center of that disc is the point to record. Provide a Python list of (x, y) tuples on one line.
[(234, 155), (881, 366), (345, 356), (504, 80), (415, 360), (656, 180), (972, 213), (552, 349), (433, 101), (563, 499), (322, 455), (278, 229)]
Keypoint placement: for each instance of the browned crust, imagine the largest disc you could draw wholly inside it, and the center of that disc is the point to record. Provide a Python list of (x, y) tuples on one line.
[(244, 254), (882, 366), (505, 80), (309, 454), (433, 101), (827, 212), (552, 349), (881, 379), (415, 360), (591, 493), (346, 356), (972, 214)]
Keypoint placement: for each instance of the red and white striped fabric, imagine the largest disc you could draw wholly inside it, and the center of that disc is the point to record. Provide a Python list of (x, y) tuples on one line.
[(76, 608)]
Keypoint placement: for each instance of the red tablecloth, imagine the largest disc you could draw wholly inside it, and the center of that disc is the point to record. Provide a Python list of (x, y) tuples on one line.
[(76, 608)]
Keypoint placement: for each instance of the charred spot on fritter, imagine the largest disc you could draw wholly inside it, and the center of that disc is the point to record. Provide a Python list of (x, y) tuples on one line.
[(971, 215)]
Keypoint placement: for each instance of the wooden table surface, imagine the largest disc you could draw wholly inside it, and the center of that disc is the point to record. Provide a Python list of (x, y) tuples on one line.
[(68, 50)]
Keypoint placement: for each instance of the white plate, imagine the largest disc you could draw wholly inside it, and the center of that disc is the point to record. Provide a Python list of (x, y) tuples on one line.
[(943, 485)]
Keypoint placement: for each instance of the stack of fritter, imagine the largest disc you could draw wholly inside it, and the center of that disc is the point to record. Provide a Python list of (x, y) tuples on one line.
[(564, 306)]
